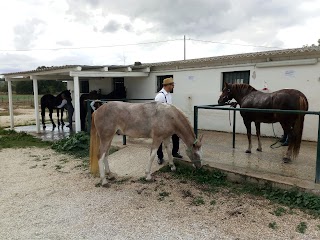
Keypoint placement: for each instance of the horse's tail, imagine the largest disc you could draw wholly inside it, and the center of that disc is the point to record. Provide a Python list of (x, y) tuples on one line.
[(298, 127), (94, 148), (43, 105)]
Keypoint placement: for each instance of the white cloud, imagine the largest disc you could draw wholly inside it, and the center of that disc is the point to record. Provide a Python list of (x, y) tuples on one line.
[(55, 24)]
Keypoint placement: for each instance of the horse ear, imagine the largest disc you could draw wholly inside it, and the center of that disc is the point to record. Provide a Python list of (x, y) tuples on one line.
[(201, 136)]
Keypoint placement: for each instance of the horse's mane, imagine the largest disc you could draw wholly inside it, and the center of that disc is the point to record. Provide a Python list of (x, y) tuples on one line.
[(243, 88), (184, 119)]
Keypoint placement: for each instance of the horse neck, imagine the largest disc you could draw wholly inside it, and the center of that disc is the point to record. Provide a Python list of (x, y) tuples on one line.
[(184, 130), (239, 91)]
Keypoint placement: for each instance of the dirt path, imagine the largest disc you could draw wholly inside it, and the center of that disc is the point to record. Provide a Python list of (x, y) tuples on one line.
[(45, 195)]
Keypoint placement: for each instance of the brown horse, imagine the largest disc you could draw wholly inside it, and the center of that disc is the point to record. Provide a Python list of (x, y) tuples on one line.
[(119, 93), (154, 120), (285, 99)]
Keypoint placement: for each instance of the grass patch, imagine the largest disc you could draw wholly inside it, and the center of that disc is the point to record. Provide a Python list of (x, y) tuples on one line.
[(77, 145), (202, 176), (215, 179), (13, 139), (197, 201), (279, 211), (302, 227), (273, 225), (162, 195)]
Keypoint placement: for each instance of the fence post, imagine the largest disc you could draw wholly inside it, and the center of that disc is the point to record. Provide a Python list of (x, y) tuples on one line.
[(234, 129), (195, 120), (318, 155), (88, 114)]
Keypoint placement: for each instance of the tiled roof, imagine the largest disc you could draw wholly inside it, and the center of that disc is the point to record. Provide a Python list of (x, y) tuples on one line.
[(267, 54), (285, 52)]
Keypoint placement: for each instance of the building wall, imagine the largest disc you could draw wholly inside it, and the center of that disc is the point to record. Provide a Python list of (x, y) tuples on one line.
[(202, 86)]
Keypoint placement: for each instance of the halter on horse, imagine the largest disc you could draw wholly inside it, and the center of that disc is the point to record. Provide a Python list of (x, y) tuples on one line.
[(142, 120), (49, 101), (285, 99)]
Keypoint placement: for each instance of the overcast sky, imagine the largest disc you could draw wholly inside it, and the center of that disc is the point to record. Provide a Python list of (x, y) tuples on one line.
[(104, 32)]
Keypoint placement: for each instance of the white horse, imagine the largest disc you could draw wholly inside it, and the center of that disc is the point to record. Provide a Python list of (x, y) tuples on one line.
[(154, 120)]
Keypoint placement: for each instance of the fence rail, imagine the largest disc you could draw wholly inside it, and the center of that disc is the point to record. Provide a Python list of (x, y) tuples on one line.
[(222, 108)]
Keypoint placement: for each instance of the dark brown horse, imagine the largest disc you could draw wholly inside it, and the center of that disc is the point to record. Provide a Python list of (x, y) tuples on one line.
[(119, 93), (49, 101), (285, 99)]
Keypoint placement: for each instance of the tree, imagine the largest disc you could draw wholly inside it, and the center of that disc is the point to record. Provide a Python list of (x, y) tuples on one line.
[(3, 86), (312, 45), (44, 87)]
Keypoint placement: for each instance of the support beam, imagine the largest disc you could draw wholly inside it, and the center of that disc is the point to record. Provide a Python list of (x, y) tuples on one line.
[(76, 83), (36, 103), (107, 74), (10, 103)]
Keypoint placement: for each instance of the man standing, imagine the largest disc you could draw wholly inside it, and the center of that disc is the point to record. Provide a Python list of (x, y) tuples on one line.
[(165, 96), (67, 104)]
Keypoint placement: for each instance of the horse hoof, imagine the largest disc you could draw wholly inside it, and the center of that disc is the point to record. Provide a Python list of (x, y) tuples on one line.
[(173, 168), (149, 178), (248, 151), (104, 183), (259, 149), (111, 178), (286, 160)]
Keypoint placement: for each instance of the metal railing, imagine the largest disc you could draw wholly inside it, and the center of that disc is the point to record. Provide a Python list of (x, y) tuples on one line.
[(221, 107)]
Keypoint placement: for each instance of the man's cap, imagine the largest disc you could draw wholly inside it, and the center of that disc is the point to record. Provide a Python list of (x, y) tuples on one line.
[(167, 81)]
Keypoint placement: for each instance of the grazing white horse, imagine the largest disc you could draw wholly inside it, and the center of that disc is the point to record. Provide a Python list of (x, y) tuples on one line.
[(154, 120)]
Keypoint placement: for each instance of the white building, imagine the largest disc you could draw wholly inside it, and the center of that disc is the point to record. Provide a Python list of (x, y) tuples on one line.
[(199, 82)]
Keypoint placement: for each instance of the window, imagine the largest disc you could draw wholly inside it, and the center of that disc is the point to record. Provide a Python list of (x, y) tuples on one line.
[(84, 86), (160, 80), (118, 83), (235, 77)]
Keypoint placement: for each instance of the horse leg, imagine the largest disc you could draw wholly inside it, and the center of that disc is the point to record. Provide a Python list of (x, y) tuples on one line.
[(62, 122), (154, 149), (58, 115), (248, 126), (166, 144), (287, 129), (50, 115), (103, 162), (258, 135), (43, 113)]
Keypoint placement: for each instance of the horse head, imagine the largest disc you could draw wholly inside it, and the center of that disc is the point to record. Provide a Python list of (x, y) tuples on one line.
[(226, 94), (67, 94), (194, 153)]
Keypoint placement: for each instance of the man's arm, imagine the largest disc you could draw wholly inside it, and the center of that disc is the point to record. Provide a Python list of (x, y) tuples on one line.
[(64, 102)]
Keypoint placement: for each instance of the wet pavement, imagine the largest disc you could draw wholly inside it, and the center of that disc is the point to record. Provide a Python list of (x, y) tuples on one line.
[(218, 153), (47, 134)]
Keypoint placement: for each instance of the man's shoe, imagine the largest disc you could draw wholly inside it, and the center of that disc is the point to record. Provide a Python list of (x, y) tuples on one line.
[(160, 161), (177, 155)]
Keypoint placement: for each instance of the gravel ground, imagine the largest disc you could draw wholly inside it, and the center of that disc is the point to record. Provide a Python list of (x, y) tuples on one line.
[(22, 116), (45, 195)]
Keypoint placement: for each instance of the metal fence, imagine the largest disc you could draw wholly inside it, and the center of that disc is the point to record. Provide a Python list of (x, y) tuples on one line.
[(222, 108)]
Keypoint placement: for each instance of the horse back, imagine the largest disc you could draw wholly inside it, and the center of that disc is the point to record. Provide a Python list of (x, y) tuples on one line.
[(285, 99), (135, 119)]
